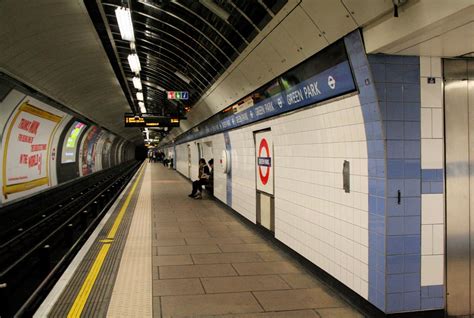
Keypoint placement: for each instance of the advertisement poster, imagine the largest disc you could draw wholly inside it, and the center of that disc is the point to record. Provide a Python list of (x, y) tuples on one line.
[(89, 149), (26, 149), (106, 151), (70, 142)]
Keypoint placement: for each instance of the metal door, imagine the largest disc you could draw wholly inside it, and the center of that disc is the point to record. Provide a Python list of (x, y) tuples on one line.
[(459, 118)]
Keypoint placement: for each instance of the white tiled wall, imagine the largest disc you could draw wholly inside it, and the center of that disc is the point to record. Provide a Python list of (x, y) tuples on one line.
[(314, 216), (244, 197), (432, 150)]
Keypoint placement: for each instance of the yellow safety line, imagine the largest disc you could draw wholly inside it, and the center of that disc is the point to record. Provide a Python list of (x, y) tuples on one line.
[(86, 288)]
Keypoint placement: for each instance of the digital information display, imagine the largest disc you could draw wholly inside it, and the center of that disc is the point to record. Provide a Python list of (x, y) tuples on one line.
[(131, 120), (178, 95), (70, 142)]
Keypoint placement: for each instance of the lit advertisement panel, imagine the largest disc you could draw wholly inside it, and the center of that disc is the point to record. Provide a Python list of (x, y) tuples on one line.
[(26, 149), (70, 142), (89, 147)]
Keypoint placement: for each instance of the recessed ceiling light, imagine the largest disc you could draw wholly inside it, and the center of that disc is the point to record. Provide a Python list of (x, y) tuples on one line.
[(124, 20)]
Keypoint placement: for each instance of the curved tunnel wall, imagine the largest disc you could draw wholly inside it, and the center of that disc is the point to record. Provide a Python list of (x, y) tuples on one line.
[(367, 239), (42, 146)]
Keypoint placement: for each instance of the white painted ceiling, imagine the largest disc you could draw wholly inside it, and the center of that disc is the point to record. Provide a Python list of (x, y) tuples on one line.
[(52, 46)]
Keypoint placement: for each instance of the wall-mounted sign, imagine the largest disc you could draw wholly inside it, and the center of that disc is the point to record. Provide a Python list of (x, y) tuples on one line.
[(264, 153), (131, 120), (179, 95), (70, 142)]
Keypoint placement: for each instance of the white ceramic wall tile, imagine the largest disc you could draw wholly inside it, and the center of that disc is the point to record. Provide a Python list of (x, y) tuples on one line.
[(425, 66), (426, 123), (431, 94), (436, 67), (432, 154), (437, 123), (432, 209), (432, 270), (427, 239), (438, 239)]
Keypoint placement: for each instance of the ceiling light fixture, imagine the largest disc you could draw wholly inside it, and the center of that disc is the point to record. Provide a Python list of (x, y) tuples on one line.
[(134, 62), (216, 9), (186, 79), (137, 83), (124, 19), (140, 96)]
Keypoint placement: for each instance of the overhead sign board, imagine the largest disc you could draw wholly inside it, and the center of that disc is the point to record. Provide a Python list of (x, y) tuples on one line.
[(178, 95), (131, 120)]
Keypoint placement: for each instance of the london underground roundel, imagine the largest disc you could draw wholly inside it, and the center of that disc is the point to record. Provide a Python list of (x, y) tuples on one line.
[(264, 161)]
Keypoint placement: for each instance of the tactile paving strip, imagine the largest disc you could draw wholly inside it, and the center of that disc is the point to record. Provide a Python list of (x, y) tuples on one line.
[(99, 298)]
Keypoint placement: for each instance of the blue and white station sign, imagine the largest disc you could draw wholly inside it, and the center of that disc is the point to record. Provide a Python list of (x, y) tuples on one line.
[(332, 82)]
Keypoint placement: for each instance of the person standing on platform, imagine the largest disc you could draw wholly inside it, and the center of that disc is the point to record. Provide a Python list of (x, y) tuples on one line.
[(203, 176)]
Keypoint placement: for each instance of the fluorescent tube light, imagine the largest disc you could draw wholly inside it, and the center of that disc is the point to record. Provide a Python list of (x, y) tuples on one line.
[(141, 104), (134, 63), (137, 83), (124, 19), (140, 96), (143, 110), (186, 79), (216, 9)]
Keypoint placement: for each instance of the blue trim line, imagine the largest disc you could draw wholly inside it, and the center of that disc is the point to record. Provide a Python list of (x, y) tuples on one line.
[(228, 147)]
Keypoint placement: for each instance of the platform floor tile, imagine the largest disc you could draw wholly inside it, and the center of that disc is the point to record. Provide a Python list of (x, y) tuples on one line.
[(208, 263)]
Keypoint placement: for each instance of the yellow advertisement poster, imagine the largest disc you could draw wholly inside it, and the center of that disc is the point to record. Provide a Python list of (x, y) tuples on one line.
[(26, 148)]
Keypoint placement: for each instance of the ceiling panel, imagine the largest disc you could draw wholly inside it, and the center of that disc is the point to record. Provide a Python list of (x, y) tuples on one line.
[(331, 17), (53, 47)]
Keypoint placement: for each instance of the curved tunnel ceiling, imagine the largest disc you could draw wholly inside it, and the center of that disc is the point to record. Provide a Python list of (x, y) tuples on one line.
[(52, 46), (184, 36)]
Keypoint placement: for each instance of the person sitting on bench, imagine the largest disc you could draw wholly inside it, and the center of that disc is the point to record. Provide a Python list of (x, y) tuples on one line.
[(203, 177)]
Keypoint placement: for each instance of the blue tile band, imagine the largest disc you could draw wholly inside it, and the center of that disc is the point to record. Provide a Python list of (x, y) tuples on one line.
[(432, 181), (228, 147), (375, 132), (432, 297)]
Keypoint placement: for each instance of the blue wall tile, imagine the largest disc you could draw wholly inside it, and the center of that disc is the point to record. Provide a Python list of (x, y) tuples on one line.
[(413, 205), (411, 74), (436, 187), (394, 302), (411, 301), (395, 149), (412, 149), (395, 225), (412, 225), (395, 283), (412, 111), (395, 111), (411, 93), (395, 209), (394, 59), (378, 72), (412, 263), (436, 291), (395, 264), (395, 245), (393, 185), (412, 130), (411, 282), (412, 169), (393, 73), (395, 169), (395, 130), (411, 60), (412, 244), (412, 187), (394, 92)]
